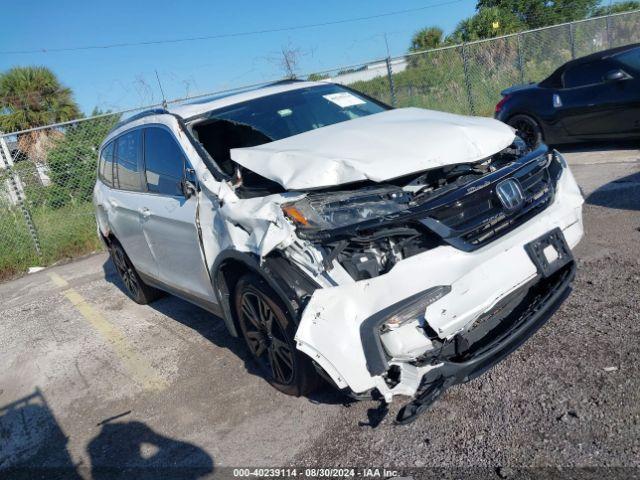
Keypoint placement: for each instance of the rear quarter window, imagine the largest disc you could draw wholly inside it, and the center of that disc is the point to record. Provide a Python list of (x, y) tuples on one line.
[(105, 169), (128, 155)]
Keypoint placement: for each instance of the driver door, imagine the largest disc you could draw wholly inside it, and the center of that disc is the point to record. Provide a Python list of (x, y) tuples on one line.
[(169, 224), (590, 105)]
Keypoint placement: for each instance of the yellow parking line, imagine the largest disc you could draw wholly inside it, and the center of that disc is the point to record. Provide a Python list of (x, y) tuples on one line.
[(139, 369)]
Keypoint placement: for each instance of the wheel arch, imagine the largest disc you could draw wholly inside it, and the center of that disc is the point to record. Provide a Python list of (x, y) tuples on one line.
[(533, 116), (553, 131), (109, 238), (290, 284)]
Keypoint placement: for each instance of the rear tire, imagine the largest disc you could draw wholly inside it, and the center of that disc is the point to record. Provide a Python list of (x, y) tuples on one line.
[(269, 334), (135, 288), (528, 129)]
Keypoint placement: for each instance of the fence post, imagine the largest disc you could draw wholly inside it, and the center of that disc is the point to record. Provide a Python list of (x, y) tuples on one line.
[(392, 89), (520, 59), (572, 41), (18, 192), (467, 80), (608, 27)]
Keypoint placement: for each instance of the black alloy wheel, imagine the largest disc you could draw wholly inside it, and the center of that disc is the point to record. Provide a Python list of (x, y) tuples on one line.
[(269, 334), (137, 290)]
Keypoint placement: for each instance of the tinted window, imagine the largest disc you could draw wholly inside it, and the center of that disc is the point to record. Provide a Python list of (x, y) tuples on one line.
[(164, 162), (586, 74), (128, 154), (630, 58), (105, 171)]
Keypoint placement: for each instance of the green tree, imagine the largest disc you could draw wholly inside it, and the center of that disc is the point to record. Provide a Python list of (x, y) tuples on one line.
[(72, 160), (488, 22), (426, 38), (540, 13), (32, 97), (316, 77), (616, 8)]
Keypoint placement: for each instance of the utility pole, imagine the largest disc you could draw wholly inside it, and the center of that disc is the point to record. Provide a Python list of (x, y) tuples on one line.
[(392, 88), (16, 191)]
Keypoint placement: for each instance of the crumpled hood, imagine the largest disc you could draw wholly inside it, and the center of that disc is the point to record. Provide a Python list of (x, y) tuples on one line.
[(377, 147)]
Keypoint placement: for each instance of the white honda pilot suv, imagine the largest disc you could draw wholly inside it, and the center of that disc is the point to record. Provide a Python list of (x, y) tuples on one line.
[(388, 251)]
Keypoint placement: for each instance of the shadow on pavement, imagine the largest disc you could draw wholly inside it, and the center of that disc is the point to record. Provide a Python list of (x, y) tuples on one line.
[(32, 444), (622, 194), (213, 329), (205, 323), (132, 450)]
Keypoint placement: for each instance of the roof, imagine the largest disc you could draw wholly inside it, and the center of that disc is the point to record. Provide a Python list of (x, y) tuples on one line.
[(587, 59), (201, 106)]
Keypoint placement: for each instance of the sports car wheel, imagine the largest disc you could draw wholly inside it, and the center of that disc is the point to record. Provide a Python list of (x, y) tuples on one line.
[(528, 129)]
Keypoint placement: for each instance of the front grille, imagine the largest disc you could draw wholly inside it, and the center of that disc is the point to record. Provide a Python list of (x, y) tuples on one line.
[(479, 217)]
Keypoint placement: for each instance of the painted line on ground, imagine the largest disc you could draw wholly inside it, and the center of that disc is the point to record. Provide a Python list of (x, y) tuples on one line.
[(139, 369)]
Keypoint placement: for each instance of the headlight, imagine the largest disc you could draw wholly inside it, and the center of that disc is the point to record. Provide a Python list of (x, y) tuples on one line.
[(336, 210), (414, 308)]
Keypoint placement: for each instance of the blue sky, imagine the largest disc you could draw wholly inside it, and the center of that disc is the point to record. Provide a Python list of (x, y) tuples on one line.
[(121, 78)]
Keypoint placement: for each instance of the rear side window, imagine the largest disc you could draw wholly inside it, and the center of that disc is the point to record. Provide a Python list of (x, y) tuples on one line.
[(586, 74), (630, 58), (128, 154), (105, 171), (164, 162)]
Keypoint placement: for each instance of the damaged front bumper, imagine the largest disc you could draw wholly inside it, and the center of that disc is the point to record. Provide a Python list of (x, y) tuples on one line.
[(528, 316), (340, 326)]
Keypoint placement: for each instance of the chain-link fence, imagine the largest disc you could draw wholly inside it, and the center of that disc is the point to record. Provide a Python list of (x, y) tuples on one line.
[(46, 181), (47, 174), (468, 78)]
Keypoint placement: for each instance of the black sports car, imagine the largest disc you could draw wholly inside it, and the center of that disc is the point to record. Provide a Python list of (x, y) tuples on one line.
[(596, 97)]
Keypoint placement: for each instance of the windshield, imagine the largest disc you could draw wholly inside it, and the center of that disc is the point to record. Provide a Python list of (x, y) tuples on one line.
[(290, 113)]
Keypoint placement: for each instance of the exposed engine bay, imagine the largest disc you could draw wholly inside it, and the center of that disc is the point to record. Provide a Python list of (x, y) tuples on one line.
[(369, 229)]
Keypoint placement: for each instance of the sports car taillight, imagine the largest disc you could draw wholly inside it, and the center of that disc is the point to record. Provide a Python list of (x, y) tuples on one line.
[(500, 104)]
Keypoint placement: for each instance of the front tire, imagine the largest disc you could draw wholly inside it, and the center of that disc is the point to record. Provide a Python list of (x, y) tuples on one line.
[(528, 129), (269, 334), (135, 288)]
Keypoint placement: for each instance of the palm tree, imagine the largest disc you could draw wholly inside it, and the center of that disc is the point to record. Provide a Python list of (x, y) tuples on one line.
[(32, 97), (425, 39)]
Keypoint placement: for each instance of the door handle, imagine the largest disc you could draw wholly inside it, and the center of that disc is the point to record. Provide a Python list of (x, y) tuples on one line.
[(145, 212), (113, 203)]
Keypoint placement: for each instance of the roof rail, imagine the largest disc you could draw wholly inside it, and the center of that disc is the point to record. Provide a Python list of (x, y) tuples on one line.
[(284, 82), (146, 113)]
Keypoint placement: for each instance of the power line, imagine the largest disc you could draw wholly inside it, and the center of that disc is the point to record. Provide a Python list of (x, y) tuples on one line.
[(232, 34)]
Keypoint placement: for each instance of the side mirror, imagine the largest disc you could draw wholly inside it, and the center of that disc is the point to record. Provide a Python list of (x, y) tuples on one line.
[(189, 183), (615, 76)]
